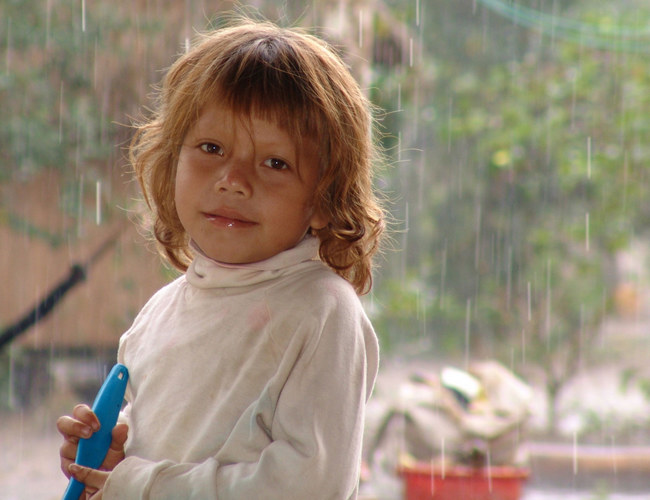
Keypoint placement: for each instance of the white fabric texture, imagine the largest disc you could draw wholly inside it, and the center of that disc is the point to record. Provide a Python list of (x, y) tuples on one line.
[(247, 382)]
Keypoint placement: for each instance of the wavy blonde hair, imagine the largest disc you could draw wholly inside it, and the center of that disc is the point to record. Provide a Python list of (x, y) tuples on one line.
[(296, 80)]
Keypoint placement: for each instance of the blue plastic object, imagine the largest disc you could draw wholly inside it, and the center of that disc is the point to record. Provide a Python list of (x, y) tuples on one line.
[(92, 451)]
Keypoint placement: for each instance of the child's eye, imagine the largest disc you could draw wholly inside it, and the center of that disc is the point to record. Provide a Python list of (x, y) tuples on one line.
[(211, 148), (276, 164)]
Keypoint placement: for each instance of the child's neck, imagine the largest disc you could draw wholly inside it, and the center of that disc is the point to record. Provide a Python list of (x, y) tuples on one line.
[(305, 245)]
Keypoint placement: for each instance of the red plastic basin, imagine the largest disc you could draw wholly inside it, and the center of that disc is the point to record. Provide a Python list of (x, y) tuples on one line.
[(424, 482)]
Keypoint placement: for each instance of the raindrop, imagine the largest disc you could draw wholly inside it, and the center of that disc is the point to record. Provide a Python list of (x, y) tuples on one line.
[(98, 203), (548, 302), (488, 466), (48, 23), (468, 317), (360, 28), (8, 52), (95, 65), (587, 231), (582, 334), (405, 240), (509, 278), (573, 76), (477, 246), (399, 97), (614, 456), (450, 110), (421, 182), (83, 16), (588, 157), (575, 453), (399, 146), (80, 196), (61, 113), (625, 180), (443, 273)]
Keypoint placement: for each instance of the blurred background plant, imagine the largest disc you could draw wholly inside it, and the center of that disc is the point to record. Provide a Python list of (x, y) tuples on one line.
[(517, 137)]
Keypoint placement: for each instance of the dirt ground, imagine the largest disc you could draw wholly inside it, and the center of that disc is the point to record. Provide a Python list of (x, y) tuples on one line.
[(29, 457)]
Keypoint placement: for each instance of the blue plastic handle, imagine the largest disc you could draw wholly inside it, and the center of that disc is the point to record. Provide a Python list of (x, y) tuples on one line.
[(92, 451)]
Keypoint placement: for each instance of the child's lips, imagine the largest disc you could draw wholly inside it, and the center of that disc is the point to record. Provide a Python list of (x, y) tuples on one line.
[(228, 219)]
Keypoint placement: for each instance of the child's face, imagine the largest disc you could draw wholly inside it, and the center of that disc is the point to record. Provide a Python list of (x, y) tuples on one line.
[(244, 190)]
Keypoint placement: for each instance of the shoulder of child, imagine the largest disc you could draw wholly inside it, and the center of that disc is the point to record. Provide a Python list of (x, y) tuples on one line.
[(320, 283)]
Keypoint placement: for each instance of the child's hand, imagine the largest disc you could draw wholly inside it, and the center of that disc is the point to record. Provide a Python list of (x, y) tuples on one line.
[(93, 479), (82, 424)]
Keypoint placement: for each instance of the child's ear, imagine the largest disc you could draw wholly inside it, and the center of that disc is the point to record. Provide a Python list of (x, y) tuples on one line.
[(318, 220)]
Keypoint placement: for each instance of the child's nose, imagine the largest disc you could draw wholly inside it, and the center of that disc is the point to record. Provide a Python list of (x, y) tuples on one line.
[(235, 178)]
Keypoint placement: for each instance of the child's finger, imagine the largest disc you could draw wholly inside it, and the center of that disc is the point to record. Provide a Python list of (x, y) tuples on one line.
[(81, 424), (65, 466), (92, 478), (73, 429), (84, 414), (68, 449), (116, 451), (68, 452)]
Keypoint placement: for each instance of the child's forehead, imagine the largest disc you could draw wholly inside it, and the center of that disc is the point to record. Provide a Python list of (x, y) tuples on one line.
[(223, 112)]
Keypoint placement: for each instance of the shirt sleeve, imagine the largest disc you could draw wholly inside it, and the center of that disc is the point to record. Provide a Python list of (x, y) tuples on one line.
[(316, 433)]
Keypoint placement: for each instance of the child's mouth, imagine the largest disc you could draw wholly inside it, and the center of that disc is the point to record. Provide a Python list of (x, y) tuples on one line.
[(228, 220)]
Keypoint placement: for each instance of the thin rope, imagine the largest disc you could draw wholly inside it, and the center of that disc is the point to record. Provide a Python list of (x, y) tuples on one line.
[(606, 36)]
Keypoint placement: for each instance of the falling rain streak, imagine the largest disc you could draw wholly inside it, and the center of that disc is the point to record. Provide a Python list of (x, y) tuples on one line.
[(589, 178), (589, 158), (98, 203), (468, 325), (8, 50), (575, 453), (83, 16), (360, 27), (61, 107), (499, 124), (547, 321)]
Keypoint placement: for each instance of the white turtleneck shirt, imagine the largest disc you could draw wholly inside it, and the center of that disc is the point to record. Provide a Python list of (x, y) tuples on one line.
[(247, 382)]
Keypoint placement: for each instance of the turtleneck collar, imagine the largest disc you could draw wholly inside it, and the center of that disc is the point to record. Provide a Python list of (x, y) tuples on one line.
[(205, 272)]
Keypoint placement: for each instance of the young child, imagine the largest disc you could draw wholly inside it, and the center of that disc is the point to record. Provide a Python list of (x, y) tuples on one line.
[(250, 373)]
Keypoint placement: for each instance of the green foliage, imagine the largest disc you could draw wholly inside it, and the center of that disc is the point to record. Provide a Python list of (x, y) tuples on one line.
[(530, 178), (521, 157), (71, 77), (64, 69), (46, 60)]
